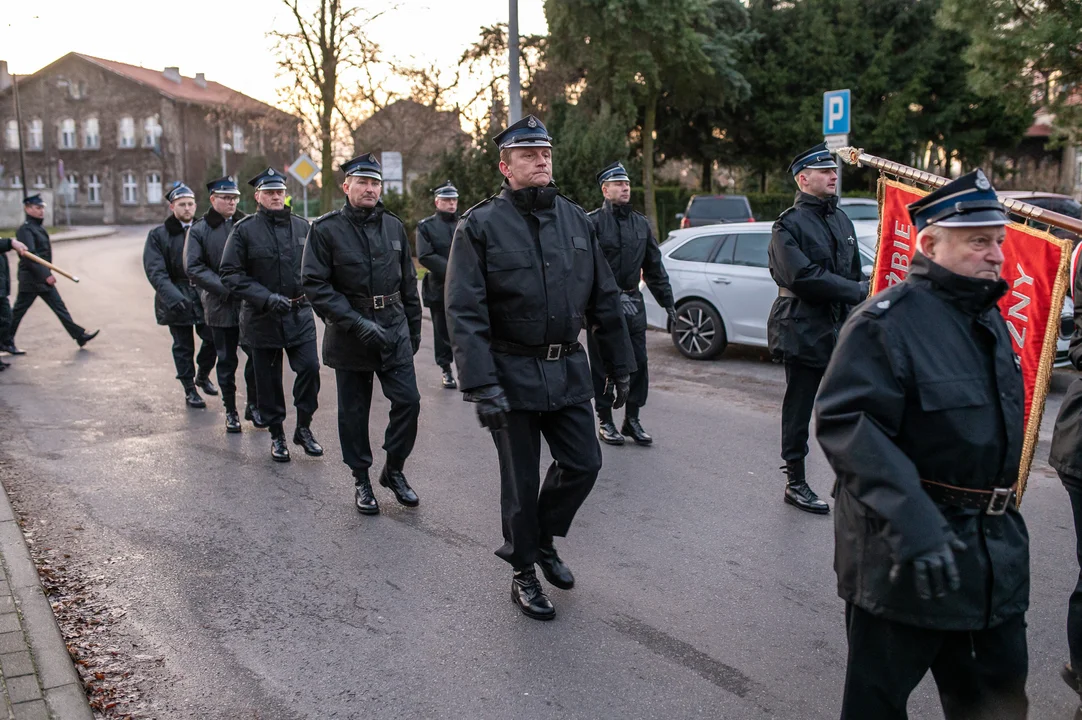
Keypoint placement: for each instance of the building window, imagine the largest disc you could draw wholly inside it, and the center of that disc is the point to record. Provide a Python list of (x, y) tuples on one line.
[(129, 190), (238, 139), (71, 188), (154, 187), (36, 137), (93, 189), (39, 181), (126, 132), (91, 134), (66, 134), (16, 181), (11, 135), (77, 89), (151, 132)]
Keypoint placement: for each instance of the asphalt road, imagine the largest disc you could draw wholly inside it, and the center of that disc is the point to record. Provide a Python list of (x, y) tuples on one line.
[(699, 593)]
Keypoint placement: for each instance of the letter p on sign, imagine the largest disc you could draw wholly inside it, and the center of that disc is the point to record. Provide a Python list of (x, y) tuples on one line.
[(836, 112)]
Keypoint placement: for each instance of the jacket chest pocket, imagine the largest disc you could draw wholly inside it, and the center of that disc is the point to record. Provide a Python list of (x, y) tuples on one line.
[(953, 394), (351, 273), (262, 257)]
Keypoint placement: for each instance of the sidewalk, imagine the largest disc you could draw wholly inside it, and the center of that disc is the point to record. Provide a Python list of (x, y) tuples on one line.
[(82, 232), (37, 678)]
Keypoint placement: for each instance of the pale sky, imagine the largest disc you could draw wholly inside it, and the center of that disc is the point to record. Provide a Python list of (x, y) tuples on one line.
[(226, 39)]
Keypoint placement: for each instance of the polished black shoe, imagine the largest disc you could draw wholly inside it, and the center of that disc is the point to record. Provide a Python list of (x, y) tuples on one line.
[(449, 379), (279, 449), (633, 429), (556, 570), (10, 349), (395, 481), (232, 421), (803, 497), (363, 497), (251, 413), (608, 433), (303, 436), (203, 383), (87, 337), (194, 399), (527, 593)]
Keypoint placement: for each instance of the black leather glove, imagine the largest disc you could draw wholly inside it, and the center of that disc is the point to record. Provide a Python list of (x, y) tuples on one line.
[(622, 385), (415, 341), (179, 306), (492, 406), (628, 305), (671, 311), (934, 572), (370, 333), (865, 285), (278, 304)]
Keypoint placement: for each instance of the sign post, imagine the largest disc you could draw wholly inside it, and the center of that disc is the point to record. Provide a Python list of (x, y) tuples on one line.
[(305, 170), (836, 115)]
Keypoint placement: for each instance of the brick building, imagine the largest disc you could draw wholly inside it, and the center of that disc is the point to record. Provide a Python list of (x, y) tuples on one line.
[(111, 138)]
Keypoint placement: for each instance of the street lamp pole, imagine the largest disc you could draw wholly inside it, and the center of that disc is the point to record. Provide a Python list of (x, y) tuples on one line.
[(19, 131), (515, 91)]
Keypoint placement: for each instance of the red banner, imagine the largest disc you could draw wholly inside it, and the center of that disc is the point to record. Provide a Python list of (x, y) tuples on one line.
[(1035, 268)]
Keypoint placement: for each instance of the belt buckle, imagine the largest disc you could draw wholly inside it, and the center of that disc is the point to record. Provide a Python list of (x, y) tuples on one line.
[(379, 302), (555, 352), (1001, 499)]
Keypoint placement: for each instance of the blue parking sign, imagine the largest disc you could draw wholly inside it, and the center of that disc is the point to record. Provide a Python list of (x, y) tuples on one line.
[(836, 112)]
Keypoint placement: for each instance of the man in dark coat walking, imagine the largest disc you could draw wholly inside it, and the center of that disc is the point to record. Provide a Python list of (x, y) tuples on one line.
[(202, 261), (434, 235), (358, 274), (37, 280), (814, 260), (176, 300), (5, 290), (261, 264), (632, 252), (525, 271), (920, 415)]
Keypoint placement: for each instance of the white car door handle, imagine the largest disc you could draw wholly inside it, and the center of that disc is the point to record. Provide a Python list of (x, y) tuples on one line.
[(723, 280)]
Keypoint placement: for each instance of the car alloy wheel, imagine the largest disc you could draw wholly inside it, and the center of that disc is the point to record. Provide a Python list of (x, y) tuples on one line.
[(698, 332)]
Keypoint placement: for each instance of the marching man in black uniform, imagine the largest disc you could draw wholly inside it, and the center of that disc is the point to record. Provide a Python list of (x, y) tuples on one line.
[(261, 264), (359, 275), (632, 252), (525, 271), (176, 300), (37, 280), (5, 290), (814, 260), (920, 415), (202, 260), (434, 235)]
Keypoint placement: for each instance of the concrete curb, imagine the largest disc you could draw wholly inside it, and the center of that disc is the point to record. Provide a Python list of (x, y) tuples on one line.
[(60, 684), (88, 233)]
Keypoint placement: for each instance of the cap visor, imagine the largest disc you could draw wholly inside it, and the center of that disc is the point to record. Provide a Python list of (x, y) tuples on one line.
[(366, 174), (981, 218), (534, 143), (272, 186)]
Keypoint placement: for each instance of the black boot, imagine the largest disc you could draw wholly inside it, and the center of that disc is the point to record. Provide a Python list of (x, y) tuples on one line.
[(633, 428), (606, 429), (797, 492), (202, 381), (279, 449), (363, 497), (527, 593), (556, 570), (251, 413), (393, 479), (193, 398), (449, 378), (303, 436)]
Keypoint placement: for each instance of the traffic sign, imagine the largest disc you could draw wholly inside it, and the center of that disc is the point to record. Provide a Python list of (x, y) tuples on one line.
[(392, 170), (835, 142), (304, 169), (836, 112)]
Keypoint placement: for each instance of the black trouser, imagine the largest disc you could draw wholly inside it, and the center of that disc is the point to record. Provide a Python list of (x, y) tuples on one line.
[(399, 385), (981, 675), (801, 384), (1074, 605), (184, 357), (226, 341), (5, 319), (267, 362), (529, 518), (640, 379), (441, 339), (52, 298)]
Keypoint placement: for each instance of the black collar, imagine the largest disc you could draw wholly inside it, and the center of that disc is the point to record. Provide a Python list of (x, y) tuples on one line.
[(173, 226), (531, 199), (34, 220), (277, 217), (823, 206), (621, 210), (360, 216), (450, 217), (973, 296), (214, 218)]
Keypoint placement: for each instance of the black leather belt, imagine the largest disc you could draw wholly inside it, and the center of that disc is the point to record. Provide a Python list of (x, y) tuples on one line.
[(298, 301), (991, 502), (545, 352), (786, 292), (380, 301)]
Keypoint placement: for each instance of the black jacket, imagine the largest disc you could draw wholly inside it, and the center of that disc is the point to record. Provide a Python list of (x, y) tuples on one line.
[(5, 276), (632, 253), (1066, 453), (32, 276), (525, 268), (813, 254), (925, 385), (262, 257), (353, 255), (176, 300), (202, 262), (434, 235)]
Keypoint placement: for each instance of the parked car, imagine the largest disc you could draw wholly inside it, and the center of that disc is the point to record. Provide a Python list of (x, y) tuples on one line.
[(860, 209), (714, 210), (1062, 204)]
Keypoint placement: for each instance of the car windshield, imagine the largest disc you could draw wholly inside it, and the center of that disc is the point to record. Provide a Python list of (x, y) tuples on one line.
[(861, 211), (723, 208)]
